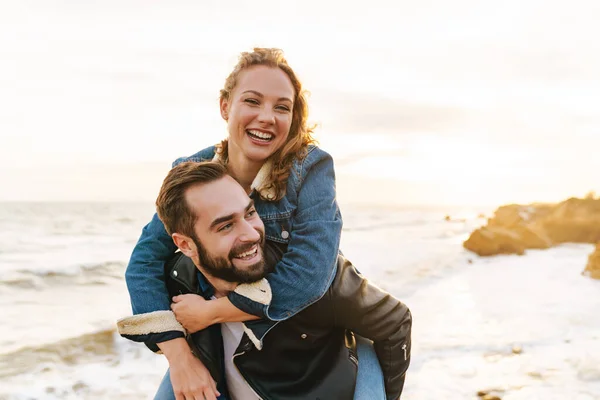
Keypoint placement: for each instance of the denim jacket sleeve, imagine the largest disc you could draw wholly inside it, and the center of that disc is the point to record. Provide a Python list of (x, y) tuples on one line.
[(145, 274), (145, 277), (309, 265)]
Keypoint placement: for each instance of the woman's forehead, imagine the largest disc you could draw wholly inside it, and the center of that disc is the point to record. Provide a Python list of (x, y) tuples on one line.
[(269, 81)]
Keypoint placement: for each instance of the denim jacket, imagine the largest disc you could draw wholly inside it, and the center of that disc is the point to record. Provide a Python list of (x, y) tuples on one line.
[(307, 219)]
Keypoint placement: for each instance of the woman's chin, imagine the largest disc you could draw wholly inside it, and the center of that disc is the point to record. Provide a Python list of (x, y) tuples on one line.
[(258, 155)]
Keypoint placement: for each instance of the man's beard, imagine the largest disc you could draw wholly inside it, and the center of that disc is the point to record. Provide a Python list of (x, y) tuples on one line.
[(223, 268)]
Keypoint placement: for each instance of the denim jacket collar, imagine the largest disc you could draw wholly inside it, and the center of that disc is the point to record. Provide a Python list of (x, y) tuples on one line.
[(259, 183)]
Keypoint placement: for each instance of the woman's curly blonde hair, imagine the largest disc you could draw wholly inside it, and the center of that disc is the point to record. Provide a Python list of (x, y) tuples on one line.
[(300, 135)]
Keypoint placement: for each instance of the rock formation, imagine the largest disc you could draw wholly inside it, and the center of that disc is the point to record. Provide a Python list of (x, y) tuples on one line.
[(593, 267), (515, 228)]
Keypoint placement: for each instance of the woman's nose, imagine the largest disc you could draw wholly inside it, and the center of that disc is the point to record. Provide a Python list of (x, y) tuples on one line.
[(266, 115)]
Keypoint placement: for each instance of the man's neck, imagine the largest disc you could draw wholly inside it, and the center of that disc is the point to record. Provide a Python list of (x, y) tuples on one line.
[(222, 287)]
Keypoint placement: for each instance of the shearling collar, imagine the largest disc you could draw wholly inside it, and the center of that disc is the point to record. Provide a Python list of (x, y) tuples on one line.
[(259, 183)]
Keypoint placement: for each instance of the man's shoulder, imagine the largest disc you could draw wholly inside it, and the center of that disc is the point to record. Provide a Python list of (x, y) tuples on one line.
[(181, 275), (206, 154), (347, 282)]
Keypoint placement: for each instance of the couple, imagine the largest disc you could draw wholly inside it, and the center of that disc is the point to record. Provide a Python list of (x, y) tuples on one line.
[(290, 184)]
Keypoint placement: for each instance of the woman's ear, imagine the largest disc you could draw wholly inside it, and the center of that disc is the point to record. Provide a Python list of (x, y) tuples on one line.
[(224, 107)]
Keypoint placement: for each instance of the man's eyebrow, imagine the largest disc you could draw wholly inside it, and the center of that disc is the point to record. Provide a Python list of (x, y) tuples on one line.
[(222, 219), (229, 217), (259, 94)]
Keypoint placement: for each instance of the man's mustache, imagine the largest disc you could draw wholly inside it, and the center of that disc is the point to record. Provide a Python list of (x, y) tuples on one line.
[(242, 248)]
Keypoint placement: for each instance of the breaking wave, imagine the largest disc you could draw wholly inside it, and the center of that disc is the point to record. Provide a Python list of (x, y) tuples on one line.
[(90, 274), (98, 346)]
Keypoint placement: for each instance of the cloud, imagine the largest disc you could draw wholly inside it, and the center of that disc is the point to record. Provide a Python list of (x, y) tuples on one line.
[(354, 112)]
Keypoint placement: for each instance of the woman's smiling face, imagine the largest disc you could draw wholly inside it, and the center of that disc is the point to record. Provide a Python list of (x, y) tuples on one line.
[(259, 112)]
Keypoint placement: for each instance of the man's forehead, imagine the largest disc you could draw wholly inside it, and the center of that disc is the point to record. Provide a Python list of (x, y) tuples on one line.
[(217, 198)]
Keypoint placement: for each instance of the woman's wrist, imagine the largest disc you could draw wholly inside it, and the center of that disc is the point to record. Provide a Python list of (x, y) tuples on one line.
[(223, 310)]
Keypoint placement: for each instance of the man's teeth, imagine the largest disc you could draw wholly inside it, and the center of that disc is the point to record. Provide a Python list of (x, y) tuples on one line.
[(248, 253), (260, 135)]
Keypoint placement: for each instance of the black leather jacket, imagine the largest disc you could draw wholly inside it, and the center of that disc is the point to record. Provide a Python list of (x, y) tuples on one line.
[(311, 355)]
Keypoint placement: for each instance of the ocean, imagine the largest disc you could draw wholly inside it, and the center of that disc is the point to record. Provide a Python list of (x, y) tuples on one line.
[(524, 326)]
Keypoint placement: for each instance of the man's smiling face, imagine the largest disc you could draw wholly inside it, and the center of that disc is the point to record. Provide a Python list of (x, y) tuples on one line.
[(228, 233)]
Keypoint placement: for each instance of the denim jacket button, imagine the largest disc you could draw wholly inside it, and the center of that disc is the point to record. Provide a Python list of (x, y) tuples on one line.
[(285, 234), (304, 336)]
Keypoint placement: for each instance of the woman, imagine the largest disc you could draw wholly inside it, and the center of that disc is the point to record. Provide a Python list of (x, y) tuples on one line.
[(270, 152)]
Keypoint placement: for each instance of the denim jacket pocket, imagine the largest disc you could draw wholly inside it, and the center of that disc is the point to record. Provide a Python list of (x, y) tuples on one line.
[(278, 228)]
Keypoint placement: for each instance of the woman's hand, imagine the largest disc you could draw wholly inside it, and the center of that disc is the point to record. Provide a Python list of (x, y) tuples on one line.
[(193, 312)]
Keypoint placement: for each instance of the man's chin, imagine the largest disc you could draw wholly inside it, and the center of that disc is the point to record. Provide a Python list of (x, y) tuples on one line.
[(249, 264), (249, 273)]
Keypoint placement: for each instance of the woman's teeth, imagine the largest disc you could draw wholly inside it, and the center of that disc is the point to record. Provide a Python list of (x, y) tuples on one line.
[(260, 135)]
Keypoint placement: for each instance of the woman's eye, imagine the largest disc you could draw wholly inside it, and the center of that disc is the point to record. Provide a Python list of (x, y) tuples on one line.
[(252, 101), (283, 108)]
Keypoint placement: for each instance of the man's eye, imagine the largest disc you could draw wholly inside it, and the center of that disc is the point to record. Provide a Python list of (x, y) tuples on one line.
[(225, 227), (251, 213)]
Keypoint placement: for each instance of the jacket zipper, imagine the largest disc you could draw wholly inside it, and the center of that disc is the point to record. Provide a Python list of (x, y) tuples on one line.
[(242, 375), (244, 352)]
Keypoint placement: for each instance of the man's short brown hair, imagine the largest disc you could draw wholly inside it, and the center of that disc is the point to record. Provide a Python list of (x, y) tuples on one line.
[(171, 205)]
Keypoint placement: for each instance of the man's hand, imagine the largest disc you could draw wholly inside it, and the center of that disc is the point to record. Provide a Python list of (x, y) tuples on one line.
[(193, 312), (191, 380), (189, 377)]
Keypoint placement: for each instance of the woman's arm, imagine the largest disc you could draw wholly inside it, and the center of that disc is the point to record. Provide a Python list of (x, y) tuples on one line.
[(145, 278), (195, 313), (308, 267), (145, 273)]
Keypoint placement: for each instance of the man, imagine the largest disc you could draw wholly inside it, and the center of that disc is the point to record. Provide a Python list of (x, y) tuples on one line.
[(312, 355)]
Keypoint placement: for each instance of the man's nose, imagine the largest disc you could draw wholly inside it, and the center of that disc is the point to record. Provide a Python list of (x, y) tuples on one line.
[(249, 233)]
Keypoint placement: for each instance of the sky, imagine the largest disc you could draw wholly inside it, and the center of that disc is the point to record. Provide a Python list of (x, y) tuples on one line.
[(428, 102)]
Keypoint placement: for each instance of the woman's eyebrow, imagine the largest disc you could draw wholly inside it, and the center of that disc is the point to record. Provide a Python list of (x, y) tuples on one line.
[(259, 94)]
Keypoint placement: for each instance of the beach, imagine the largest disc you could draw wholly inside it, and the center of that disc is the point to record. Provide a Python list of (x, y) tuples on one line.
[(62, 290)]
